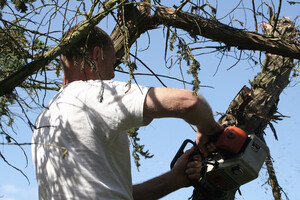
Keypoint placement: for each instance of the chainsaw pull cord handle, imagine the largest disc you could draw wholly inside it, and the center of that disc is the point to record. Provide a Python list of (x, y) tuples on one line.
[(195, 152)]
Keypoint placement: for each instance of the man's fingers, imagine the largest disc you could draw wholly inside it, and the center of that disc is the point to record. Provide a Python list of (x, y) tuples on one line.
[(195, 176), (201, 141), (194, 169), (187, 153), (203, 147), (211, 147), (197, 157), (194, 164)]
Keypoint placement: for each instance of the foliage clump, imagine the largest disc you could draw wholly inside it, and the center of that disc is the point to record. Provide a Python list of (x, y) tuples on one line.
[(184, 53), (138, 149)]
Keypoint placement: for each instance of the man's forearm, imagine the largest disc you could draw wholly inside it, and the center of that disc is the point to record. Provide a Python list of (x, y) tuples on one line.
[(166, 102), (171, 181), (155, 188)]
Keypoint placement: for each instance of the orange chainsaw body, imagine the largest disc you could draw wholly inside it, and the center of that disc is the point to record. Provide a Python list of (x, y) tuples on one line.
[(232, 139)]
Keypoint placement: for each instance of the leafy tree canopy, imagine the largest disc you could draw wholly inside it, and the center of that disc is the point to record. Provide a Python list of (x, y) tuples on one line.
[(32, 38)]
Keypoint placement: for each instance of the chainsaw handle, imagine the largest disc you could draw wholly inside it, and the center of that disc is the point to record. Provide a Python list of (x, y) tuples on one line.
[(181, 151), (195, 152)]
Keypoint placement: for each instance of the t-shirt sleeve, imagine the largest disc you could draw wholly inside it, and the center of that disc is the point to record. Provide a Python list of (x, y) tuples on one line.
[(121, 108), (131, 106)]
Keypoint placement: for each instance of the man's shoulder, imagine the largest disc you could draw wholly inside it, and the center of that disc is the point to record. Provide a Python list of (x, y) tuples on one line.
[(93, 83), (92, 87)]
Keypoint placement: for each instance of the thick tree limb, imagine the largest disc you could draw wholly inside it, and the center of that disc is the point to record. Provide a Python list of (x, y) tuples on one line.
[(137, 21), (252, 109), (197, 25)]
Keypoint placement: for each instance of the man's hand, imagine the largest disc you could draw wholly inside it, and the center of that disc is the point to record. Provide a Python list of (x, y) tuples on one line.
[(184, 169), (171, 181), (203, 138)]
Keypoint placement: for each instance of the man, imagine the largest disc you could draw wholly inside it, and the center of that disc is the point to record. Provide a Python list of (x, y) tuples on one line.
[(82, 149)]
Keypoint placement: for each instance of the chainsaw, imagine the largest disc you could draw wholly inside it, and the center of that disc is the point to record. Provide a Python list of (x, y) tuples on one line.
[(237, 160)]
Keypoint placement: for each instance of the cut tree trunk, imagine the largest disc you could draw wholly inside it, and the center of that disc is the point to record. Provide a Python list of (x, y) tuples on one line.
[(253, 109)]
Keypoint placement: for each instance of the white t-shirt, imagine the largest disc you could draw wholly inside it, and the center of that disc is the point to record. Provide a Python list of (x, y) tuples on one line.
[(97, 163)]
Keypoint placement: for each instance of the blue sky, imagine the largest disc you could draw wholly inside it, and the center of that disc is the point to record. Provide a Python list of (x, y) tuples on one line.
[(164, 136)]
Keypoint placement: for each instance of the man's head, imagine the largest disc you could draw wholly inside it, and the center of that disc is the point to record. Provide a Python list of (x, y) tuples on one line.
[(91, 58)]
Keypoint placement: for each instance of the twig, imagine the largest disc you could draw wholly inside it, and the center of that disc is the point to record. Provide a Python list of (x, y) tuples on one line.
[(147, 68), (181, 6), (254, 16), (3, 158), (277, 16), (163, 76)]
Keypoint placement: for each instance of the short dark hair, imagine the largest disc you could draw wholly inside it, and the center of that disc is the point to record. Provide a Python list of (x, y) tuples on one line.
[(95, 37)]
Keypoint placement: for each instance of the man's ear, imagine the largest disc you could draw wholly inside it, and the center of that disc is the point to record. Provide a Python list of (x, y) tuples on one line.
[(97, 53)]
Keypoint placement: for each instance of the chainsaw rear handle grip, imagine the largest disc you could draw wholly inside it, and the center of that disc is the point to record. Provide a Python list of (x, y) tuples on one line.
[(196, 151), (181, 151)]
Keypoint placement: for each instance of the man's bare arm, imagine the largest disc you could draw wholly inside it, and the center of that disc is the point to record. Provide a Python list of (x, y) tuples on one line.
[(171, 181), (168, 102)]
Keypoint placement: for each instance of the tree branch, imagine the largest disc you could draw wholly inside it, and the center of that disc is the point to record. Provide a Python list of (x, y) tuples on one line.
[(9, 83), (197, 25)]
